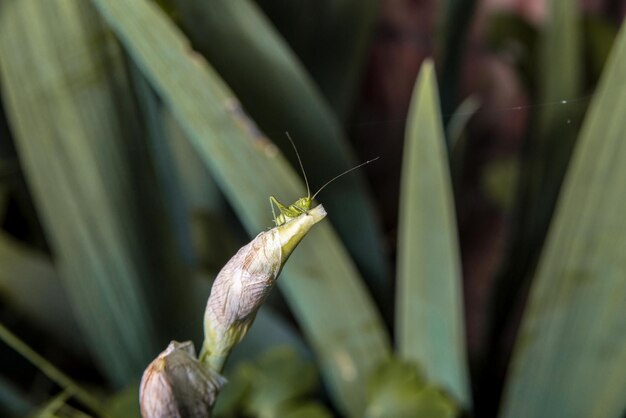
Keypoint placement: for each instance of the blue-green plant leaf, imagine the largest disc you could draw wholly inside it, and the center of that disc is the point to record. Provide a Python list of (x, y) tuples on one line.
[(560, 78), (66, 93), (570, 356), (429, 324), (552, 136)]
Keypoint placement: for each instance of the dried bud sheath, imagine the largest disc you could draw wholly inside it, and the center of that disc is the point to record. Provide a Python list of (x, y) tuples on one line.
[(177, 385), (245, 281)]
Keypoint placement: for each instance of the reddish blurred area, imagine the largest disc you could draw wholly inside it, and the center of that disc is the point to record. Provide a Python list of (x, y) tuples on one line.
[(405, 36)]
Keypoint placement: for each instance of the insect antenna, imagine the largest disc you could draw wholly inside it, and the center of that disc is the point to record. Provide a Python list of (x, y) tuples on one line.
[(306, 181), (344, 173)]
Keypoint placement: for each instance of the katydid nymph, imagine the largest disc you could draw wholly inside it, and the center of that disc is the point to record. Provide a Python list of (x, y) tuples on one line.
[(303, 205)]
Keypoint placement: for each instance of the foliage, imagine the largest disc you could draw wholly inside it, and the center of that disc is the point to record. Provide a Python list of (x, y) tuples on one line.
[(141, 141)]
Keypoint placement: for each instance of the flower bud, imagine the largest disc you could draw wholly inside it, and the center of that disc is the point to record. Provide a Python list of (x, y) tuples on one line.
[(245, 281), (177, 385)]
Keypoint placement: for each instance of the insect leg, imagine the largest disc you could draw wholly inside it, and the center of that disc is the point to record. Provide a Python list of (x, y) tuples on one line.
[(272, 200), (280, 219)]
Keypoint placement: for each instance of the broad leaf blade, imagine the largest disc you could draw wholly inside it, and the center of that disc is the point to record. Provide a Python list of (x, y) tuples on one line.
[(557, 123), (558, 73), (570, 357), (74, 123), (50, 137), (321, 283), (429, 310)]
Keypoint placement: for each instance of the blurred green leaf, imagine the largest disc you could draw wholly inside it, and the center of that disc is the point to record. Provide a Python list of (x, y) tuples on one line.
[(429, 305), (560, 65), (274, 385), (232, 397), (330, 37), (552, 137), (557, 120), (53, 113), (280, 96), (306, 410), (397, 389), (395, 371), (570, 358), (50, 370), (320, 283), (499, 182), (457, 137), (279, 376), (124, 404), (50, 408), (459, 120), (432, 403)]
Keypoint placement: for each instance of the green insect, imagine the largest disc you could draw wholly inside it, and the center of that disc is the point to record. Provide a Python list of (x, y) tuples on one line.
[(302, 205)]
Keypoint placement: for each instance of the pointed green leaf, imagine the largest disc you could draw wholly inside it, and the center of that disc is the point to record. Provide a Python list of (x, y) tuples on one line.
[(561, 72), (570, 357), (429, 304), (553, 135), (558, 119)]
